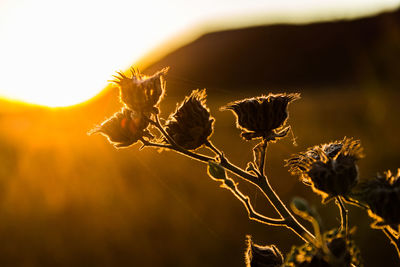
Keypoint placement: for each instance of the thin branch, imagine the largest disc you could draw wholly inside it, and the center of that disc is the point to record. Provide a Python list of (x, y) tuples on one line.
[(355, 203), (211, 146), (394, 240), (151, 144), (159, 126), (253, 215), (261, 168), (344, 225), (264, 185), (394, 231), (239, 172)]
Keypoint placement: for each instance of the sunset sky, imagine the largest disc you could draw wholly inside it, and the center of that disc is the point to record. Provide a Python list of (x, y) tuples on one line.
[(59, 53)]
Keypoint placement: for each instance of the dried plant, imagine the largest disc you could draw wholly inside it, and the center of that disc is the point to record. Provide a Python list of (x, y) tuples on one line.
[(329, 169)]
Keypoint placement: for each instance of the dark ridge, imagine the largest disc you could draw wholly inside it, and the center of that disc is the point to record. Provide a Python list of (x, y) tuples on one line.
[(341, 53)]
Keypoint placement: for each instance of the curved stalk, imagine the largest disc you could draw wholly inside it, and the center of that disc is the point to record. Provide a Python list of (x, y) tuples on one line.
[(280, 207), (394, 240), (261, 168), (344, 225), (263, 184), (253, 215)]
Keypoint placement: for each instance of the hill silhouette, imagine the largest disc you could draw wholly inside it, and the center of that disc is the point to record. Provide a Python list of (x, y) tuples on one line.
[(338, 53)]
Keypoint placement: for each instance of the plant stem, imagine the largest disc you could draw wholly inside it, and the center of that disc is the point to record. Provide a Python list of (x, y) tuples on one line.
[(343, 215), (394, 240), (261, 168), (253, 215), (214, 149), (355, 203), (263, 184), (151, 144)]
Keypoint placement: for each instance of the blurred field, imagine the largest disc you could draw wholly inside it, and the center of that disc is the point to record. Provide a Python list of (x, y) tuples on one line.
[(67, 199)]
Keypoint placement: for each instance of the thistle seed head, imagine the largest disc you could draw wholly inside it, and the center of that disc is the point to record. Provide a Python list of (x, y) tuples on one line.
[(262, 116), (262, 256), (191, 124), (142, 93), (382, 195), (124, 128), (330, 169)]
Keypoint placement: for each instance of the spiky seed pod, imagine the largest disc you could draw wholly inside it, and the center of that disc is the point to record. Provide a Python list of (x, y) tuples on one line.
[(340, 251), (330, 169), (142, 93), (262, 116), (124, 128), (191, 124), (382, 195), (262, 256)]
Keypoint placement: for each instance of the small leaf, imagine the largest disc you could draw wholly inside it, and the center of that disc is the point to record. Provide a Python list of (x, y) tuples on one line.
[(216, 171), (251, 168)]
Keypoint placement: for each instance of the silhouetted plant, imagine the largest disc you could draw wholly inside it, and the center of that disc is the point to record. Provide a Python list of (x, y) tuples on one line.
[(330, 169)]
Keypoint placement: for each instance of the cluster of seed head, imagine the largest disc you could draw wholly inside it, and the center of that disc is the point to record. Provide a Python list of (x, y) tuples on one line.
[(330, 169), (140, 96), (189, 126)]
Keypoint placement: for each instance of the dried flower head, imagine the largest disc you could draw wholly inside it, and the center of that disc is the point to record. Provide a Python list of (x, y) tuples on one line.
[(262, 116), (337, 251), (382, 195), (142, 93), (124, 128), (330, 169), (191, 124), (262, 256)]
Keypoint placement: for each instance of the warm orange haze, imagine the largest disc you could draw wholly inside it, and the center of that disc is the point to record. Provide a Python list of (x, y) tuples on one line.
[(69, 199), (60, 54)]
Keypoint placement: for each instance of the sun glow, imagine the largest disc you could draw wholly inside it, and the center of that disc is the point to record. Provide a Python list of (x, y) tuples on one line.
[(60, 53)]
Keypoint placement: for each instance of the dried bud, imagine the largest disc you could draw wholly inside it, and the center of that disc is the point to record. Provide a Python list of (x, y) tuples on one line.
[(262, 116), (382, 195), (300, 206), (330, 169), (340, 251), (216, 171), (141, 93), (191, 124), (262, 256), (124, 128)]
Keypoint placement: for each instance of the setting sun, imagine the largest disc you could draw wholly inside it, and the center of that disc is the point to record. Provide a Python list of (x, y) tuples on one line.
[(62, 53)]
